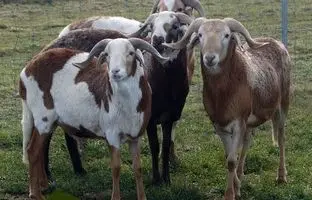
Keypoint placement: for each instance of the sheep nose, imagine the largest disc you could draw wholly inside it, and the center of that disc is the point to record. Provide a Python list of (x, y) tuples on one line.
[(209, 59), (158, 40), (115, 71)]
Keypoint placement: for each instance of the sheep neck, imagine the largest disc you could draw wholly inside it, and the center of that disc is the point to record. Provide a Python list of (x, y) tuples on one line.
[(227, 96)]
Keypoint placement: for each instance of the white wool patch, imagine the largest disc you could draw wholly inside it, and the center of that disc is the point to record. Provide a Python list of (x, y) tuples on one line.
[(123, 116), (160, 20), (36, 105), (74, 103), (121, 24)]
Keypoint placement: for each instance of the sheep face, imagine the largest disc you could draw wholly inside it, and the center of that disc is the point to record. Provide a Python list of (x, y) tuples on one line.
[(214, 39), (120, 56), (172, 5), (165, 27)]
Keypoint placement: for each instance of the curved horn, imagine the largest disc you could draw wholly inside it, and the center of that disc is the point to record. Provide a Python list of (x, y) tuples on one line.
[(141, 44), (236, 26), (186, 37), (196, 5), (148, 21), (183, 18), (155, 6), (100, 46)]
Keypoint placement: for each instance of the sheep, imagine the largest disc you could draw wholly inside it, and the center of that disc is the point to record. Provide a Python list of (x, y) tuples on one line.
[(121, 24), (169, 84), (242, 89), (111, 101), (83, 40), (185, 6)]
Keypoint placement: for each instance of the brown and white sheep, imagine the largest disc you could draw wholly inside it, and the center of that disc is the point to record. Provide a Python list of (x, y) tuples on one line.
[(242, 89), (107, 98)]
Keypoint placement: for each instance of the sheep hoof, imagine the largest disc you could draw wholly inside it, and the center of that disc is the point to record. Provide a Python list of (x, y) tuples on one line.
[(166, 180), (281, 180), (80, 172), (37, 197), (229, 194), (51, 187), (156, 182)]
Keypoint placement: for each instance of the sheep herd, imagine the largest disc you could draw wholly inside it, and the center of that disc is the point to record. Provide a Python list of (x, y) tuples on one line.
[(114, 78)]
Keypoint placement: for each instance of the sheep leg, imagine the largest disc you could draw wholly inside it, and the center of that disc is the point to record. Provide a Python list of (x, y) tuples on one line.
[(115, 164), (136, 164), (51, 182), (154, 147), (47, 160), (242, 157), (167, 128), (233, 183), (173, 158), (72, 147), (37, 174), (278, 122)]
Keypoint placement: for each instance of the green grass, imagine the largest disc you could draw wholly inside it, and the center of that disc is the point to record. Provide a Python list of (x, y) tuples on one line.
[(25, 28)]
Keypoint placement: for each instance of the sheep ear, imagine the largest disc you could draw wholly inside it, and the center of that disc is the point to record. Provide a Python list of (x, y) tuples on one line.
[(139, 57), (235, 38), (194, 41)]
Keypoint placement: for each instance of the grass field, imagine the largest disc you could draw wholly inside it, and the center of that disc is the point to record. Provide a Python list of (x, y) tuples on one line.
[(26, 28)]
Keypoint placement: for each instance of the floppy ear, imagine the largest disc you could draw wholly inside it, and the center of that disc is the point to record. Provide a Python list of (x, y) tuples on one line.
[(193, 42), (236, 39), (139, 57)]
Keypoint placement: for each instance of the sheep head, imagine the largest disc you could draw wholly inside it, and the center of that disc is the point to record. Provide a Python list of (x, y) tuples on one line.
[(216, 39), (120, 56), (165, 27), (184, 6)]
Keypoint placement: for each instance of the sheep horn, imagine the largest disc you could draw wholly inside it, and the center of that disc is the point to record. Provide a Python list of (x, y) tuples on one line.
[(183, 18), (148, 21), (155, 6), (236, 26), (100, 46), (141, 44), (186, 37), (196, 5)]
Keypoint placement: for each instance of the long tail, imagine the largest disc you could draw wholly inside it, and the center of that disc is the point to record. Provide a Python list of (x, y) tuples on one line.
[(27, 125)]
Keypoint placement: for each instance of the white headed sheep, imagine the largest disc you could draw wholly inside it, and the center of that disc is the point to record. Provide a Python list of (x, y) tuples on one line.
[(169, 84), (107, 98)]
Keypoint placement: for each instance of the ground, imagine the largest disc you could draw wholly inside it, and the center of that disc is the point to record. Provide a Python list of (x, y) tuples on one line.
[(25, 28)]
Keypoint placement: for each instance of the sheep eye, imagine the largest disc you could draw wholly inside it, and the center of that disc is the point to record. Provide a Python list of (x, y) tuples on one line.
[(199, 35), (227, 35), (105, 54), (180, 10), (131, 53)]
